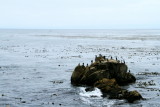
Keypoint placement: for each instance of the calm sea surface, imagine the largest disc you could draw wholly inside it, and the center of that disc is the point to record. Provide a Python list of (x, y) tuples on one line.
[(36, 66)]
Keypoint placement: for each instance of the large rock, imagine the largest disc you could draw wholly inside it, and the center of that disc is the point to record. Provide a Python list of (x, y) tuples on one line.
[(77, 75), (107, 75), (111, 88), (107, 85), (102, 68)]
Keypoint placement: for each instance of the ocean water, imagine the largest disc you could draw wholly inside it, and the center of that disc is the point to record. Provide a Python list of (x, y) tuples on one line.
[(36, 66)]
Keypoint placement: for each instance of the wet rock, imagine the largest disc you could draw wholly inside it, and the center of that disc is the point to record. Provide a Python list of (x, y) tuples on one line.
[(106, 85), (89, 89), (77, 75), (111, 88), (107, 75), (132, 96), (102, 68)]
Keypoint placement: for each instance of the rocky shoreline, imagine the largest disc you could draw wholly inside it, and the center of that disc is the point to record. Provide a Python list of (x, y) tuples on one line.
[(108, 75)]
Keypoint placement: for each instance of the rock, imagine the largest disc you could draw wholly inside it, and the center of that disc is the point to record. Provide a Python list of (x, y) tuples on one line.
[(107, 75), (102, 68), (23, 101), (77, 75), (111, 88), (90, 79), (106, 85), (133, 96), (89, 89)]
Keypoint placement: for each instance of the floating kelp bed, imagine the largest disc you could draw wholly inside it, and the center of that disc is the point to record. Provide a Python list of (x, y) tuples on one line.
[(107, 75)]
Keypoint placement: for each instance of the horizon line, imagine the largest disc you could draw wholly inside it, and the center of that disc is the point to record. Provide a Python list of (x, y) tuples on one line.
[(75, 29)]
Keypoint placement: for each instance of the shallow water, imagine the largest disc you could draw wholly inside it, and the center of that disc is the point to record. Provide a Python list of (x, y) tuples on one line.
[(36, 66)]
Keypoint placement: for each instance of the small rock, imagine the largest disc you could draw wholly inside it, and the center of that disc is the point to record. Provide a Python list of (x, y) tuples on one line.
[(89, 89), (54, 94), (23, 101)]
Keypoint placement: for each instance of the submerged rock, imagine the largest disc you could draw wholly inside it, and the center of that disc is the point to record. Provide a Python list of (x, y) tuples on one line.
[(107, 75)]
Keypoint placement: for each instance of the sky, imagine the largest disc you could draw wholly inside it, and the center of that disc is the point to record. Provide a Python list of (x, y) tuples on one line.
[(80, 14)]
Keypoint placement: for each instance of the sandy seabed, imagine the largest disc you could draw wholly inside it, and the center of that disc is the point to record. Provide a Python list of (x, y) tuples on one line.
[(36, 66)]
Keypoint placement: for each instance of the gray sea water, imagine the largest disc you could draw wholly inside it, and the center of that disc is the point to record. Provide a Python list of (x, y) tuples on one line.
[(36, 66)]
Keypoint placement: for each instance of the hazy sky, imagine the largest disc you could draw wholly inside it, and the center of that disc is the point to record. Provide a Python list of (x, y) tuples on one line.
[(80, 14)]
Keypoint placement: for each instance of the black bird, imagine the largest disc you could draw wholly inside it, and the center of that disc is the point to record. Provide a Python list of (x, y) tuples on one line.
[(95, 57), (91, 61)]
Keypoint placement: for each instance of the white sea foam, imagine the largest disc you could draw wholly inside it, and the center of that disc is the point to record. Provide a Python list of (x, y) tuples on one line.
[(109, 103), (87, 97), (94, 98), (95, 93)]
